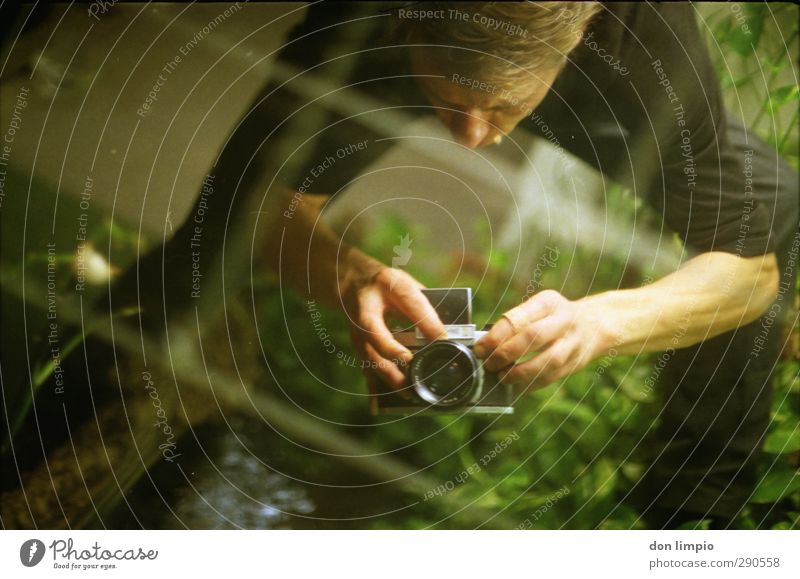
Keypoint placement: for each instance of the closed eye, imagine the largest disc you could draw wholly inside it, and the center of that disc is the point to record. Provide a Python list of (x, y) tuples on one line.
[(500, 108), (436, 100)]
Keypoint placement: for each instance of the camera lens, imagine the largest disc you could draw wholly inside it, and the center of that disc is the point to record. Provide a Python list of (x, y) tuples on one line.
[(446, 373)]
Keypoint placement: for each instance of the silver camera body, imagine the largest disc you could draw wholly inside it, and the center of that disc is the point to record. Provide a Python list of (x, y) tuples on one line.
[(445, 376)]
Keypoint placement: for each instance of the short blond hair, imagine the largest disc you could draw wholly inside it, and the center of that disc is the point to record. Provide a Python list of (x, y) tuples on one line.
[(500, 41)]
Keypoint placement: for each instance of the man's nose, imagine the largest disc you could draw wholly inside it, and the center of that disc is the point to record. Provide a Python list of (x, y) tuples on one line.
[(469, 128)]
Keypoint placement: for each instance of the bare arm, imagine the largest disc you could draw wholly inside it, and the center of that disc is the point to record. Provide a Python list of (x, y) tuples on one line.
[(711, 294), (311, 259), (310, 256)]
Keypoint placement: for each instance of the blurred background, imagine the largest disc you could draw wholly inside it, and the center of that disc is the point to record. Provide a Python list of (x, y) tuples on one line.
[(274, 432)]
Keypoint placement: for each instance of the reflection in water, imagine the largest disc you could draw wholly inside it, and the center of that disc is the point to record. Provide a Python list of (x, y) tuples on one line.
[(246, 476), (252, 496), (220, 484)]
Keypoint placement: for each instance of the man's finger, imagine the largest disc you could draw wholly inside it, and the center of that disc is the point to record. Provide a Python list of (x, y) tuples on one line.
[(386, 369), (500, 332), (503, 329), (554, 363), (381, 339), (532, 338), (376, 333), (412, 303), (532, 310)]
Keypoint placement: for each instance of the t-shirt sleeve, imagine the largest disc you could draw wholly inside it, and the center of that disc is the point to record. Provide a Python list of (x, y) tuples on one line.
[(694, 173)]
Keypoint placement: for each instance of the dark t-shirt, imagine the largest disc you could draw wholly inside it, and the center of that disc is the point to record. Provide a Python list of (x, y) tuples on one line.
[(638, 100), (660, 127)]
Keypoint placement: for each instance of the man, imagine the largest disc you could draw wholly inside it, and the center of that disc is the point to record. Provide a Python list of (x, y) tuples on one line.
[(628, 88)]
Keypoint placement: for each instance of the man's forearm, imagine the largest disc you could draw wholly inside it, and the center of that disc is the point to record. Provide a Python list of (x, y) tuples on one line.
[(711, 294), (309, 256)]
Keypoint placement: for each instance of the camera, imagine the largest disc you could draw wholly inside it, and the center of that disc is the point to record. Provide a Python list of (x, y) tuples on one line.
[(444, 376)]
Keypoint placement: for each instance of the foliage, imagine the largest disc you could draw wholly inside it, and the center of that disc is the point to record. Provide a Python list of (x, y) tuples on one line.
[(579, 434), (756, 59), (575, 458), (755, 54)]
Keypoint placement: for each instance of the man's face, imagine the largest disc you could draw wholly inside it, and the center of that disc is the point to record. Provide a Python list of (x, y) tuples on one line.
[(478, 115)]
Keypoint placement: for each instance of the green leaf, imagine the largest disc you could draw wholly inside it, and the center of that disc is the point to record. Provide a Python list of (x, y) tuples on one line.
[(604, 477), (741, 42), (702, 524), (784, 95), (784, 438), (498, 258), (572, 409), (776, 485), (755, 20), (745, 519)]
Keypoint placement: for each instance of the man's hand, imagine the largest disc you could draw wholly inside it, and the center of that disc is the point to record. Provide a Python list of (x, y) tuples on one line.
[(338, 274), (563, 335), (368, 301)]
